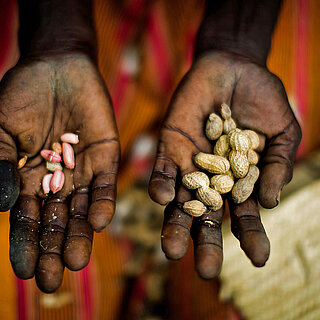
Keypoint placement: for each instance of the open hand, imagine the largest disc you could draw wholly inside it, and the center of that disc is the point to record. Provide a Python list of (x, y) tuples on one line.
[(258, 101), (39, 101)]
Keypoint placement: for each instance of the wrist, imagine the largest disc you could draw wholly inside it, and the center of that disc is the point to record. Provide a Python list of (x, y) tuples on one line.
[(54, 27), (249, 51), (239, 28)]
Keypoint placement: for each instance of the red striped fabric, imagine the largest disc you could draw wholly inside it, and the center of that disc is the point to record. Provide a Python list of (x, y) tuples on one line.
[(140, 102), (302, 77)]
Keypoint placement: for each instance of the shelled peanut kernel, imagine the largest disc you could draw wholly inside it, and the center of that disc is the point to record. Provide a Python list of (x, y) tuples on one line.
[(54, 182)]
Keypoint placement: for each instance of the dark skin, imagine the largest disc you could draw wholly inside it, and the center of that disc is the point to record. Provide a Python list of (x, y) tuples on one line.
[(40, 100), (56, 88), (254, 95), (229, 66)]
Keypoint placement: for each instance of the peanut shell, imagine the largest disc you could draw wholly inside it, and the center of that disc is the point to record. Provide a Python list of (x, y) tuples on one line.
[(253, 138), (195, 180), (225, 111), (239, 163), (222, 183), (239, 141), (230, 174), (195, 208), (243, 187), (229, 125), (210, 198), (222, 146), (212, 163), (214, 127), (253, 157)]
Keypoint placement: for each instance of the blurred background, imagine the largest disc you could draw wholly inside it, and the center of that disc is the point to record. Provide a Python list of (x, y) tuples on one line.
[(145, 47)]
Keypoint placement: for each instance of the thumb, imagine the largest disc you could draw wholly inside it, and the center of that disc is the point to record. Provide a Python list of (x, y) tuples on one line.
[(278, 164), (9, 176)]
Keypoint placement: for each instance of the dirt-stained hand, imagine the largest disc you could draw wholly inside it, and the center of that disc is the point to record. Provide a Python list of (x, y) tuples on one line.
[(259, 102), (40, 100)]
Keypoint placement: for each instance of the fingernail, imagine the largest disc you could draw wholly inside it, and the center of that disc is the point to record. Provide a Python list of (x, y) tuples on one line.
[(46, 183), (278, 198), (68, 155), (70, 137), (57, 181), (50, 155)]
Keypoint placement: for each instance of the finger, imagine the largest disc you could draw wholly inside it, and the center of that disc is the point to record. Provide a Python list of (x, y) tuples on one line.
[(24, 230), (176, 227), (49, 272), (77, 248), (103, 200), (277, 166), (9, 177), (247, 227), (101, 158), (169, 159), (163, 180), (207, 240)]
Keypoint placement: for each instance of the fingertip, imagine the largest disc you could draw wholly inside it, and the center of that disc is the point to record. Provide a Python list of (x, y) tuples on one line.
[(9, 185), (77, 253), (174, 241), (272, 179), (23, 262), (208, 261), (100, 214), (256, 245), (49, 273), (162, 191)]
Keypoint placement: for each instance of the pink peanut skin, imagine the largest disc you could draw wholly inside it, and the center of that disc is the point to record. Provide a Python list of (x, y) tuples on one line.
[(70, 137), (46, 183), (50, 155), (57, 181), (68, 155)]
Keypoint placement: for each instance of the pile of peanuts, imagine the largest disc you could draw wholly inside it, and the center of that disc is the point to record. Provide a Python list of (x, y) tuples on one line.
[(55, 181), (233, 164)]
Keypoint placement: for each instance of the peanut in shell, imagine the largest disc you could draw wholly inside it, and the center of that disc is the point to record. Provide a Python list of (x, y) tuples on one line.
[(243, 187), (214, 127), (194, 207), (225, 111), (239, 163), (212, 163), (222, 183), (230, 174), (222, 146), (211, 198), (229, 125), (195, 180), (253, 157), (253, 138), (239, 141)]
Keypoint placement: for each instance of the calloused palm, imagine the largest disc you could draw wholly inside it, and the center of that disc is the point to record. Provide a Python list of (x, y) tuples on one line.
[(39, 101), (258, 101)]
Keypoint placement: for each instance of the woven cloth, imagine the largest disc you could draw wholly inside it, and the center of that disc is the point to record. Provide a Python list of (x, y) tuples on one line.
[(288, 287)]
